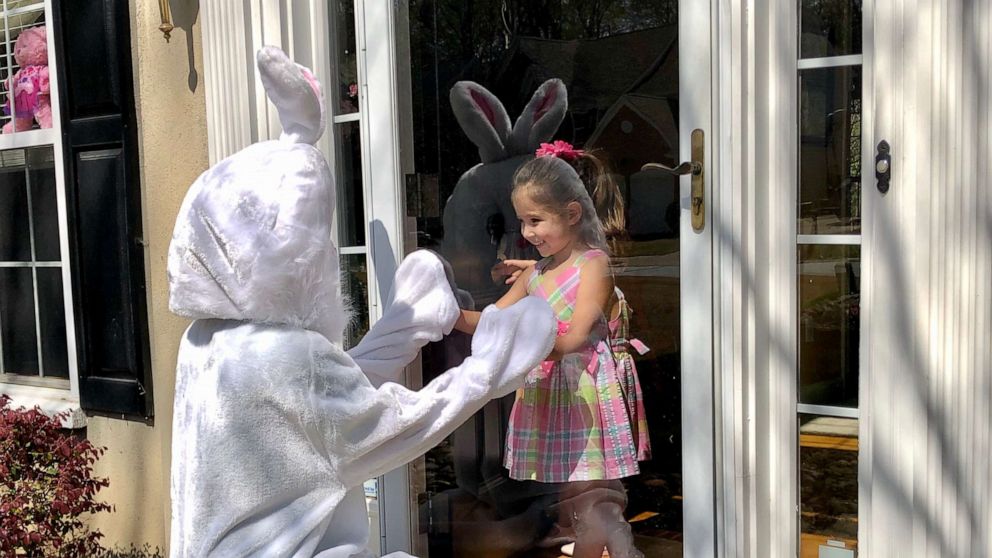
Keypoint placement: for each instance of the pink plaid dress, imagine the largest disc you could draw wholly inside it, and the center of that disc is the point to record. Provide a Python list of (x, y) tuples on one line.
[(581, 418)]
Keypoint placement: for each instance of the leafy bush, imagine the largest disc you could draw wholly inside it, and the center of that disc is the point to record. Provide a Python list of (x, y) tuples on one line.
[(46, 486)]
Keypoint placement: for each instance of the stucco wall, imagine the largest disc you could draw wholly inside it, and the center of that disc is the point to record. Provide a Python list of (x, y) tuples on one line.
[(172, 134)]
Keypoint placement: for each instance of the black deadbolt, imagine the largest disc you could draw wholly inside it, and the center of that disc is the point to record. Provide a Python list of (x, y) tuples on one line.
[(883, 166)]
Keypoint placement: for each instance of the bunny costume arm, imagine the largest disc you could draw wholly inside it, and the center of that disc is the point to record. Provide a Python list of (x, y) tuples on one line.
[(376, 428)]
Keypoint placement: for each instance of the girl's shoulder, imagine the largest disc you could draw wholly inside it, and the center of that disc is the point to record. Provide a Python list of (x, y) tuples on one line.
[(593, 256), (594, 253)]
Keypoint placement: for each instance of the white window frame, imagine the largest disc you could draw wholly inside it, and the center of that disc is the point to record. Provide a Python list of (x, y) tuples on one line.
[(51, 396)]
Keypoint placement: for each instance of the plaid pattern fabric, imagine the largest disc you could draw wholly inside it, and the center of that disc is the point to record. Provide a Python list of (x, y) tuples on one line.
[(572, 420), (630, 386)]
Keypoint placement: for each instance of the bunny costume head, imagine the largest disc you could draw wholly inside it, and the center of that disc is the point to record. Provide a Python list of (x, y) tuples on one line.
[(253, 241), (275, 426), (482, 194)]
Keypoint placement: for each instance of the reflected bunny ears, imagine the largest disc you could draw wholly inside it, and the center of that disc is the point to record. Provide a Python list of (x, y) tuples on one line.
[(296, 94), (484, 120)]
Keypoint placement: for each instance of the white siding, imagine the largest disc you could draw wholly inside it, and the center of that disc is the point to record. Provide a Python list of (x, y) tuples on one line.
[(926, 487)]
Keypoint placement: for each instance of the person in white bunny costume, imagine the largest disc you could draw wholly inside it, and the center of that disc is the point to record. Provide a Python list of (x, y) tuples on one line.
[(275, 425)]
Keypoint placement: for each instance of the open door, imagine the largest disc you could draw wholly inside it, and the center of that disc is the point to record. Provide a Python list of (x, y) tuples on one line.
[(637, 80)]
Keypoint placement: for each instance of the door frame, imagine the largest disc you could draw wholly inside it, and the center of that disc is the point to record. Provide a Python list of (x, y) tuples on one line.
[(714, 425), (696, 78)]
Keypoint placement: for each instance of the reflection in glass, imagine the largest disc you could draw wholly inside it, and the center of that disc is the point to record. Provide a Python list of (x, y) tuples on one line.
[(343, 23), (350, 195), (829, 324), (44, 204), (628, 112), (830, 151), (828, 484), (830, 28), (51, 309), (355, 287), (17, 325), (15, 240)]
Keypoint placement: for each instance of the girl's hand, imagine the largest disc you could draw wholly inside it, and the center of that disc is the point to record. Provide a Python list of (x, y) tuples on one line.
[(511, 269)]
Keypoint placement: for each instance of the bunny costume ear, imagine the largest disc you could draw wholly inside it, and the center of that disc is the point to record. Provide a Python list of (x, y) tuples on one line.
[(483, 118), (296, 94), (540, 119)]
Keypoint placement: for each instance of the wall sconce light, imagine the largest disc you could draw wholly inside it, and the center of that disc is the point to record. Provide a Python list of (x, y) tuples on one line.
[(166, 27)]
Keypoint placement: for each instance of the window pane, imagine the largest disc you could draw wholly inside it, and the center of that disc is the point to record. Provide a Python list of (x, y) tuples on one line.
[(15, 241), (343, 23), (830, 28), (44, 204), (829, 324), (351, 201), (51, 308), (471, 504), (828, 485), (17, 328), (355, 286), (830, 151)]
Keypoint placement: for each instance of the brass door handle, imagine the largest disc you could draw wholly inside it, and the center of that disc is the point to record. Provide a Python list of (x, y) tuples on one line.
[(685, 168), (695, 168)]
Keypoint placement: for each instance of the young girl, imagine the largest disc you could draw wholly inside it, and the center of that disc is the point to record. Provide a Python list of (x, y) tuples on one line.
[(579, 419)]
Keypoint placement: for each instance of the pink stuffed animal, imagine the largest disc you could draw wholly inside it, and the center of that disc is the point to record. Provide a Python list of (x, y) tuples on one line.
[(29, 86)]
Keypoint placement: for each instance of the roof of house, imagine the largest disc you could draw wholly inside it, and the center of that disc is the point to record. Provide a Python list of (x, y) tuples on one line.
[(598, 71)]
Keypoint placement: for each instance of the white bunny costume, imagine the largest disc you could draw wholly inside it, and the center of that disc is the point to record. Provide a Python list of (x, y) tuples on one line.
[(275, 425)]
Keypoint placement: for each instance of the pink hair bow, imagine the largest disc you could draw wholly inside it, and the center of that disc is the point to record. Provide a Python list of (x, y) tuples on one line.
[(559, 148)]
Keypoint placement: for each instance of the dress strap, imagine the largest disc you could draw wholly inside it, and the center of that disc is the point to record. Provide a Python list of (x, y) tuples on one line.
[(588, 255)]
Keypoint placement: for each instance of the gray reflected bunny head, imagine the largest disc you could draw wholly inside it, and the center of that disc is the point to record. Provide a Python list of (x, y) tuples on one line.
[(480, 224)]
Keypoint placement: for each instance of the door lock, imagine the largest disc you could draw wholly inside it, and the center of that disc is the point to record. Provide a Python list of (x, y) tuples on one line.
[(883, 166), (695, 168)]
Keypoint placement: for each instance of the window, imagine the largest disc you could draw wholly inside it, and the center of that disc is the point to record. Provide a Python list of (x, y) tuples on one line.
[(33, 340), (828, 248), (346, 139), (35, 302)]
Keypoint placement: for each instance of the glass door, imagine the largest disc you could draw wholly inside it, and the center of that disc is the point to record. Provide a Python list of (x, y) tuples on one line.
[(634, 76)]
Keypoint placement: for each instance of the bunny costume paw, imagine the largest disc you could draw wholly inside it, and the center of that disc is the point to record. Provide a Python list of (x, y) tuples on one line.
[(275, 425)]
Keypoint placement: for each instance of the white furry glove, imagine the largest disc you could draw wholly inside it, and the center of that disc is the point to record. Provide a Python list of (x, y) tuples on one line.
[(517, 338), (423, 309)]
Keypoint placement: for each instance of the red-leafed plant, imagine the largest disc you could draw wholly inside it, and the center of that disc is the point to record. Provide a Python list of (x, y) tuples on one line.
[(46, 487)]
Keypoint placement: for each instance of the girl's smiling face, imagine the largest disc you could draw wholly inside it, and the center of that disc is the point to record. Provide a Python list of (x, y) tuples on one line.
[(549, 231)]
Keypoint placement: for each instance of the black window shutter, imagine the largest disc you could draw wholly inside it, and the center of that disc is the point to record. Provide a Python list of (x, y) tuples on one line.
[(96, 89)]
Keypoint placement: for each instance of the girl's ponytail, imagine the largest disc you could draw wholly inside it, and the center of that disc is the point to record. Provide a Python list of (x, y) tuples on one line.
[(605, 193)]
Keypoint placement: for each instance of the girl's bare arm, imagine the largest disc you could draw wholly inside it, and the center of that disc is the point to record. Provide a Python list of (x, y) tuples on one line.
[(469, 319)]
